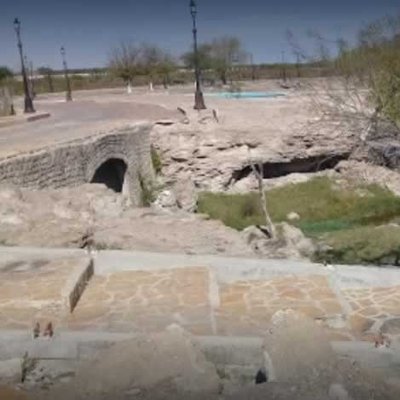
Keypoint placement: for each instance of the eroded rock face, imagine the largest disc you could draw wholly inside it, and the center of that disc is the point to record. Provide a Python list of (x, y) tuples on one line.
[(61, 218), (290, 242), (214, 157), (186, 195), (367, 173), (10, 371)]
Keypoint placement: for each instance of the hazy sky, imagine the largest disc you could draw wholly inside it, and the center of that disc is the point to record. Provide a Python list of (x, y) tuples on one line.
[(89, 28)]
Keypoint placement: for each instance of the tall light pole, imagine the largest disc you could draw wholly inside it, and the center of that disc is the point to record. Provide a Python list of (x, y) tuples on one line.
[(28, 76), (28, 103), (68, 95), (198, 97), (253, 68), (284, 75), (32, 80)]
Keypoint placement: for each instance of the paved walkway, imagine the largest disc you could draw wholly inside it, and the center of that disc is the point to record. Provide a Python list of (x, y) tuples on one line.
[(136, 292), (75, 120)]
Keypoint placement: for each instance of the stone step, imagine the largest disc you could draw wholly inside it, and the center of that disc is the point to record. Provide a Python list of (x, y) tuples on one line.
[(38, 288)]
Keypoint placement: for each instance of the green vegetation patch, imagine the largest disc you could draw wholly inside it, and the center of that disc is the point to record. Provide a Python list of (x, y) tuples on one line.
[(322, 204), (363, 245), (156, 160), (345, 216)]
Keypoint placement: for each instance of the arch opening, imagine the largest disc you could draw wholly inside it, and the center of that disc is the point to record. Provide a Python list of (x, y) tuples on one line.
[(112, 174)]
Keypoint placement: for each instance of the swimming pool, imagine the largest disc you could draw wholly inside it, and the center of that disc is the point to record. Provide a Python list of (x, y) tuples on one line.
[(246, 95)]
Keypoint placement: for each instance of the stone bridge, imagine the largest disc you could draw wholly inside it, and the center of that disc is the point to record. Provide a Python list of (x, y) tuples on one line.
[(120, 159)]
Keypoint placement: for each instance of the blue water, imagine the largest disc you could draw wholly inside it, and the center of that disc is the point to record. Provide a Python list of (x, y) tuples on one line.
[(246, 95)]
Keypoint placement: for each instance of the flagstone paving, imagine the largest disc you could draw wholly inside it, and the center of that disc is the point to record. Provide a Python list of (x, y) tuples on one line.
[(371, 307), (136, 301), (223, 297), (37, 291), (150, 301), (250, 305)]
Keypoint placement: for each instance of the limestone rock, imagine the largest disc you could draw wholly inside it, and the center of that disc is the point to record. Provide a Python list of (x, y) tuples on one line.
[(295, 239), (168, 359), (253, 234), (62, 217), (290, 242), (11, 370), (370, 174), (166, 200), (297, 347), (186, 195), (293, 216), (338, 392)]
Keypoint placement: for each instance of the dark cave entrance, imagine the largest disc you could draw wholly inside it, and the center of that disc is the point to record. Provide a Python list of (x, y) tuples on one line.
[(112, 174)]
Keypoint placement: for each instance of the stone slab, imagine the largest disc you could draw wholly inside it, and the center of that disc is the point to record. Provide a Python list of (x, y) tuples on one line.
[(38, 289), (139, 301)]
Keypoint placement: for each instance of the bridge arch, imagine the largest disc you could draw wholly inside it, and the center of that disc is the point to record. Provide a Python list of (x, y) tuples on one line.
[(112, 173)]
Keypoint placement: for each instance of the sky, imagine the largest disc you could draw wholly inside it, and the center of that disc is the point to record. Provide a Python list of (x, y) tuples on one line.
[(89, 29)]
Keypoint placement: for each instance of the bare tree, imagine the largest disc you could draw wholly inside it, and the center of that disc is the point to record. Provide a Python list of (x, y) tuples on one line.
[(219, 55), (360, 99), (257, 168), (225, 52), (129, 60), (123, 62), (156, 62)]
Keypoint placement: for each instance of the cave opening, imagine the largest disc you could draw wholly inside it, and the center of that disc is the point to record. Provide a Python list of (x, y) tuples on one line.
[(302, 165)]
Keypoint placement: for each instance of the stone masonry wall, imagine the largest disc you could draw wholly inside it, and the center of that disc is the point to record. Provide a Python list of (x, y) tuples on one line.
[(74, 163)]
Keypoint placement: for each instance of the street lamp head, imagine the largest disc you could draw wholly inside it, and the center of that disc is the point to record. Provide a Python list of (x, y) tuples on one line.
[(17, 24), (193, 8), (62, 51)]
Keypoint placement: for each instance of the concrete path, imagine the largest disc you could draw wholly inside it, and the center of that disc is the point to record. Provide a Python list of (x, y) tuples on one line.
[(75, 120)]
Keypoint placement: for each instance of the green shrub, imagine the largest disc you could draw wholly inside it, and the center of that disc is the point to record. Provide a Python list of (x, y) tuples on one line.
[(323, 206), (362, 245), (348, 218), (237, 211), (148, 192), (156, 160)]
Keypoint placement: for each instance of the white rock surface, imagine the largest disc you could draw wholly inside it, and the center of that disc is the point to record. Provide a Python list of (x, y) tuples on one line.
[(338, 392), (11, 370)]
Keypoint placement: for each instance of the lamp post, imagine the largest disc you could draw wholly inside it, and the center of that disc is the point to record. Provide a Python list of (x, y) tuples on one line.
[(28, 103), (284, 75), (253, 68), (28, 76), (198, 97), (68, 95), (32, 80)]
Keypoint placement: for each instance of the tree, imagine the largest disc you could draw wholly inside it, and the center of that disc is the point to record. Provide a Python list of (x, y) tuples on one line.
[(156, 62), (224, 53), (5, 73), (219, 55), (123, 62), (362, 97), (203, 55), (128, 61)]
